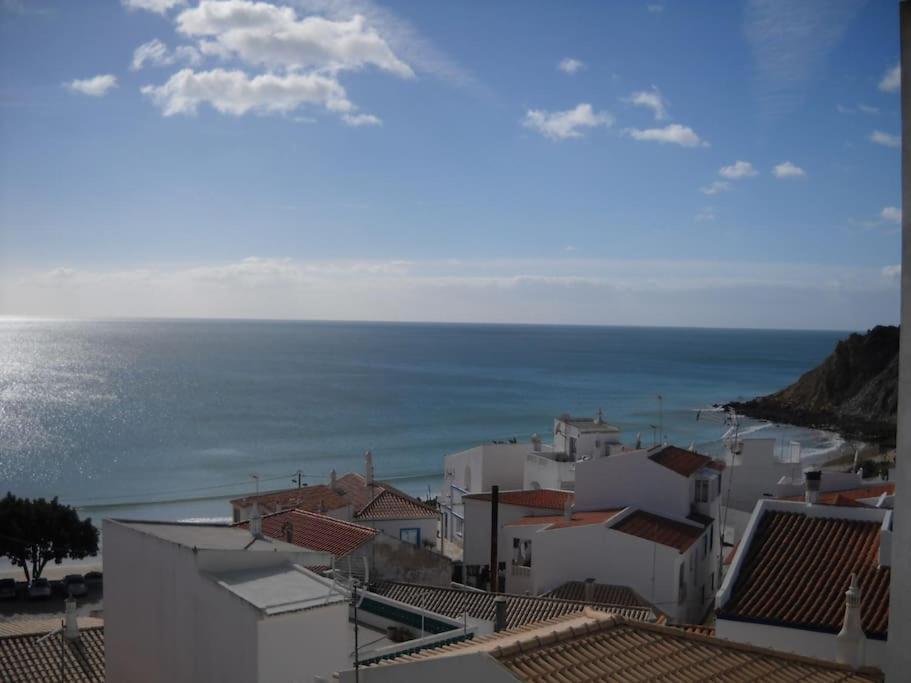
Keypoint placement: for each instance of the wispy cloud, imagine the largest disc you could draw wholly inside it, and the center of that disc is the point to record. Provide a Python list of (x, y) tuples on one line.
[(791, 42), (788, 170), (561, 125), (716, 187), (892, 79), (706, 215), (570, 66), (739, 169), (655, 8), (97, 86), (156, 53), (650, 99), (674, 134), (891, 214), (885, 139), (157, 6)]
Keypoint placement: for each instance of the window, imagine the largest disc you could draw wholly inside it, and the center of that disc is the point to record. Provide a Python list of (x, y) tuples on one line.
[(410, 535), (702, 491), (713, 582)]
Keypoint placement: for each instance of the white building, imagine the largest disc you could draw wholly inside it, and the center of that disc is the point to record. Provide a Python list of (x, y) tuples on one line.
[(193, 603), (532, 465), (786, 586), (644, 519)]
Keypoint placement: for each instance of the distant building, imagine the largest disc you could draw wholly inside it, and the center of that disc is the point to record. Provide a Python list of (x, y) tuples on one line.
[(786, 588), (531, 465), (595, 646), (646, 519)]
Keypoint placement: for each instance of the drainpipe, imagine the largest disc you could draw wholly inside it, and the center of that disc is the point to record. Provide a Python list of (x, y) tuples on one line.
[(494, 533), (499, 610)]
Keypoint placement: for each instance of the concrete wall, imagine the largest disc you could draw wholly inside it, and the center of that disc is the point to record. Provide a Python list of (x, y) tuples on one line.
[(795, 640), (393, 527), (478, 667), (546, 473), (300, 645), (631, 479), (479, 468), (393, 560), (476, 547), (165, 622)]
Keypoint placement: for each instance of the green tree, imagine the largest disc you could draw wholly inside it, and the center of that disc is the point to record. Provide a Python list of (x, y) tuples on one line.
[(34, 532)]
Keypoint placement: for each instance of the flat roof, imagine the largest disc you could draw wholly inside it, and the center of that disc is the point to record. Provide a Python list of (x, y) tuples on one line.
[(205, 536), (275, 590)]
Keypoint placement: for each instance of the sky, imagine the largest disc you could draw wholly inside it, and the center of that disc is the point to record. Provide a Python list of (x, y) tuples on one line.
[(729, 164)]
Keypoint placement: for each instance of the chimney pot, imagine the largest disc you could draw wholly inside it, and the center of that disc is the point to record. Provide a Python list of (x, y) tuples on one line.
[(536, 443), (499, 606), (849, 643), (256, 523), (368, 466), (589, 590), (568, 509), (333, 479), (71, 622), (812, 480)]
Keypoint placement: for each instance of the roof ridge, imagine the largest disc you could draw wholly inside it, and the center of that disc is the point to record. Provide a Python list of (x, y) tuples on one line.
[(327, 518)]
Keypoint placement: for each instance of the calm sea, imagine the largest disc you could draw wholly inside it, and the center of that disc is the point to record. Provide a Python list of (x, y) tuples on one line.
[(168, 419)]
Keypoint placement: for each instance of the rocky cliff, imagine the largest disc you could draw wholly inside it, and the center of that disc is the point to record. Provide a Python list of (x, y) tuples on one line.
[(854, 391)]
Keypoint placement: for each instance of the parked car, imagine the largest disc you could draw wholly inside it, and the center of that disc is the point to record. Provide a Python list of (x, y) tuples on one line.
[(74, 586), (7, 589), (39, 589), (94, 578)]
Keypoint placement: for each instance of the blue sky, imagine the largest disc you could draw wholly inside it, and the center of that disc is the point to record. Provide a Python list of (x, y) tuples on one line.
[(594, 162)]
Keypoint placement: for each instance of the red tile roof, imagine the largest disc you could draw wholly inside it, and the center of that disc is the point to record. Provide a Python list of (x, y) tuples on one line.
[(32, 657), (683, 462), (602, 593), (798, 568), (659, 529), (350, 489), (315, 531), (548, 499), (578, 519), (851, 497), (396, 505)]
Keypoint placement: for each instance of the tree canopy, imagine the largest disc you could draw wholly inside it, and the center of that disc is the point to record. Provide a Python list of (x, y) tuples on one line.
[(35, 532)]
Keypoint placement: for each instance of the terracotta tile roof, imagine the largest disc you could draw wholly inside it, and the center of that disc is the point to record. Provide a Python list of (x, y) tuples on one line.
[(395, 505), (659, 529), (30, 657), (603, 593), (850, 497), (798, 568), (578, 519), (315, 531), (548, 499), (683, 462), (350, 489), (594, 646), (520, 609)]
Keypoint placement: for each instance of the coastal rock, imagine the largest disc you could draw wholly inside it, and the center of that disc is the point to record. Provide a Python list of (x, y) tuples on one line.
[(854, 391)]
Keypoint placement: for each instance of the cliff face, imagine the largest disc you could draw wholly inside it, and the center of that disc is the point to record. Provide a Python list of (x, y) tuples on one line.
[(854, 391)]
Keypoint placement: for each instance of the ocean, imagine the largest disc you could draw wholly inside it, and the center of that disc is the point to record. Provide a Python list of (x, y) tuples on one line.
[(168, 419)]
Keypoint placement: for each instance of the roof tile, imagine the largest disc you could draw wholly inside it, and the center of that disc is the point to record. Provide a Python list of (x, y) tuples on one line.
[(314, 531), (659, 529), (391, 504), (548, 499), (683, 462), (34, 658)]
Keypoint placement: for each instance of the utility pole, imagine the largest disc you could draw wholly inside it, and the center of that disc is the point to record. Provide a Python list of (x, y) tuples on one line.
[(298, 478), (357, 655), (494, 533)]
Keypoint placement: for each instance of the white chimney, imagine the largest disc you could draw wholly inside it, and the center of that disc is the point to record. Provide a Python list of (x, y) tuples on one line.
[(568, 509), (368, 467), (333, 482), (849, 643), (589, 590), (71, 623), (812, 479), (599, 418), (256, 523), (536, 443)]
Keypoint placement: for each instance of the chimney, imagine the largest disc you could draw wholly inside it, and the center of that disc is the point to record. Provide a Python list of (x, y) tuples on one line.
[(589, 590), (638, 440), (499, 613), (849, 643), (568, 509), (536, 443), (71, 623), (333, 480), (812, 480), (494, 538), (368, 467), (256, 523), (599, 418)]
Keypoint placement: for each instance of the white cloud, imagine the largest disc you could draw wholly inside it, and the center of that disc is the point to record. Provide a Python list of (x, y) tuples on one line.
[(737, 170), (97, 86), (788, 170), (716, 187), (892, 79), (891, 214), (560, 125), (158, 6), (156, 53), (885, 139), (361, 120), (234, 92), (673, 133), (570, 66), (706, 215), (655, 8), (892, 273), (650, 99), (263, 34), (867, 109)]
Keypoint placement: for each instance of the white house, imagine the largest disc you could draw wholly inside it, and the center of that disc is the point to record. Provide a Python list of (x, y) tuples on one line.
[(190, 603), (532, 465), (786, 588)]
